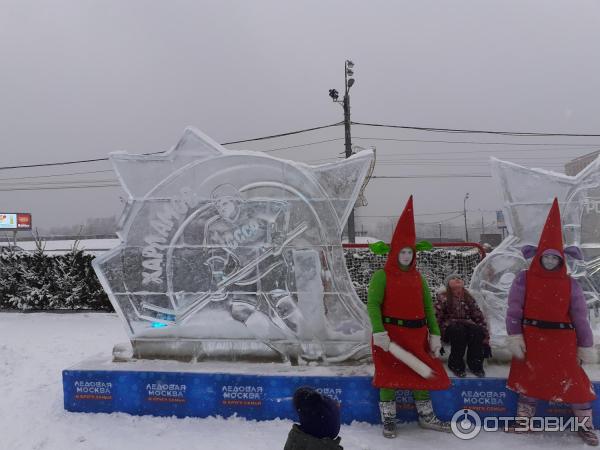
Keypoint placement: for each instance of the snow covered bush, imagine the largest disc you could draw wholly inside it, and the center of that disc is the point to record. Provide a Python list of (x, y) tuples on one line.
[(37, 281)]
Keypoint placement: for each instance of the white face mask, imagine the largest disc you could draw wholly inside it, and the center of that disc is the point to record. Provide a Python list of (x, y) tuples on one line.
[(550, 262), (405, 256)]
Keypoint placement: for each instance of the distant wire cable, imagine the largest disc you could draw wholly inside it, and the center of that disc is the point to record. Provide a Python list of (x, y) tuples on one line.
[(301, 145), (58, 175), (44, 188), (62, 163), (289, 133), (438, 141), (457, 130), (84, 184), (481, 152), (422, 214), (72, 185), (58, 182), (441, 221), (81, 161), (431, 176)]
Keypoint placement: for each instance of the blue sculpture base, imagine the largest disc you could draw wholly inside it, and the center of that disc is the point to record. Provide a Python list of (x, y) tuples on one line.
[(205, 389)]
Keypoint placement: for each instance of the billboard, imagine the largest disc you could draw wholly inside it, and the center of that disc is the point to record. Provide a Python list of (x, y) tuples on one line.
[(15, 221)]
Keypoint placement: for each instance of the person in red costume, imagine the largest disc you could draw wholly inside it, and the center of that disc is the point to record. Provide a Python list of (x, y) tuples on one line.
[(401, 312), (548, 331)]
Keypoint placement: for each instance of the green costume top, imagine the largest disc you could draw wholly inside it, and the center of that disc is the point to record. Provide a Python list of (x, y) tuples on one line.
[(375, 298)]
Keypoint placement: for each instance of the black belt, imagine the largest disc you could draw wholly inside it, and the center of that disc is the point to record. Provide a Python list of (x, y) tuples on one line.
[(549, 325), (408, 323)]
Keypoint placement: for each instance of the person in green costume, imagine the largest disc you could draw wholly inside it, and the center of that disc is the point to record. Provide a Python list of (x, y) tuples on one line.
[(401, 312)]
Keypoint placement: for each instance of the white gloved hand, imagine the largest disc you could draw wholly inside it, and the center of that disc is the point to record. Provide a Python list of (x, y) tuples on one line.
[(516, 345), (382, 340), (435, 345), (587, 355)]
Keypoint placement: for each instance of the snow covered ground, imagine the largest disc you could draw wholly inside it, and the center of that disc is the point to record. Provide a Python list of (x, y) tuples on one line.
[(35, 348)]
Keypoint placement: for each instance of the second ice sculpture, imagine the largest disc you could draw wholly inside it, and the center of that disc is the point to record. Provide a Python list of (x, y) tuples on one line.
[(231, 254), (527, 197)]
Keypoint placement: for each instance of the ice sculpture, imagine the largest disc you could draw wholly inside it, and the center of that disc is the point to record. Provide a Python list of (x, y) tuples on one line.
[(231, 254), (527, 197)]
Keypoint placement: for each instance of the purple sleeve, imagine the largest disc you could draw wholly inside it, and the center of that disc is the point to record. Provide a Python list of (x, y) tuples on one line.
[(579, 316), (516, 301)]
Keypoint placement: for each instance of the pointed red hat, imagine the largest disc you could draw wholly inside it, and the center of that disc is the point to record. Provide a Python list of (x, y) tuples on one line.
[(551, 239), (404, 236)]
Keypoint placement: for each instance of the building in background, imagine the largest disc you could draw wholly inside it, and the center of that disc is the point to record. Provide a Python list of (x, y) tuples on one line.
[(576, 165)]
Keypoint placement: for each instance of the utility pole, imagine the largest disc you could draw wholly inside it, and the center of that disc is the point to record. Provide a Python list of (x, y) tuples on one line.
[(440, 224), (348, 82), (465, 214)]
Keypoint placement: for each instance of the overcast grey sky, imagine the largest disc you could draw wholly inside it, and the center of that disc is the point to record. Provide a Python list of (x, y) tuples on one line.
[(83, 78)]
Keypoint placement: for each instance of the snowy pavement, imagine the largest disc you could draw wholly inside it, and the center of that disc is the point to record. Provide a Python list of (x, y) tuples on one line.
[(35, 348)]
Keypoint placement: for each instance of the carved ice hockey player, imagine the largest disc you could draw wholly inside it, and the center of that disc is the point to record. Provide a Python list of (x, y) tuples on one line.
[(247, 240)]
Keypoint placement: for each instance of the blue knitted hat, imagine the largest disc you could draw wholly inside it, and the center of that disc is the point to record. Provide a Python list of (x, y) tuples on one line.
[(319, 415)]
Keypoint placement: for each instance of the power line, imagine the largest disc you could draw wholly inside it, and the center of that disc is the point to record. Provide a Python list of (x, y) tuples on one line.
[(439, 141), (433, 176), (456, 130), (400, 161), (573, 146), (460, 160), (480, 152), (85, 184), (62, 163), (404, 156), (44, 188), (81, 161), (289, 133), (422, 214), (441, 213), (82, 185), (441, 221), (57, 175), (301, 145), (59, 182)]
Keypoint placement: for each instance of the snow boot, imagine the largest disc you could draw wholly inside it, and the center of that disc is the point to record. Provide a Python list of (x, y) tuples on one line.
[(388, 418), (525, 410), (428, 419), (586, 433)]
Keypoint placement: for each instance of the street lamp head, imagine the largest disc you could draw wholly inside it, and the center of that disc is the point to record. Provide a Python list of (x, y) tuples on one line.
[(350, 82), (349, 64), (334, 94)]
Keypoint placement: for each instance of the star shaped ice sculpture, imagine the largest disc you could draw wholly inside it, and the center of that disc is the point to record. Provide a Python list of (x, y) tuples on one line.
[(235, 252), (527, 197)]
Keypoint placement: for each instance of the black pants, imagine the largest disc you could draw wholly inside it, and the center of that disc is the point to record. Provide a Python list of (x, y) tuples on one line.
[(465, 336)]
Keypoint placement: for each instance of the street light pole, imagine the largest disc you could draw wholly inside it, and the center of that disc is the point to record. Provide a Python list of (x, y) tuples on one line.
[(348, 145), (465, 214), (348, 83)]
